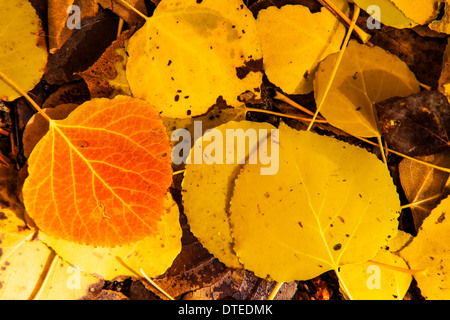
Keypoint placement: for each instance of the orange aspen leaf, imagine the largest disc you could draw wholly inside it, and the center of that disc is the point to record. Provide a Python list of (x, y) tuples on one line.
[(100, 176)]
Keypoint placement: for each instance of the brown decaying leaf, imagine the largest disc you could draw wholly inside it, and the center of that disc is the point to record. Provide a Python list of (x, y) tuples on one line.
[(444, 79), (416, 125), (101, 75), (130, 17), (423, 55), (58, 33), (82, 49), (424, 185), (37, 127)]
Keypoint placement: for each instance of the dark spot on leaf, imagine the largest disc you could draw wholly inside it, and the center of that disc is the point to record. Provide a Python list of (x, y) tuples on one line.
[(177, 97), (300, 224), (337, 247), (249, 66), (199, 1), (305, 75), (188, 112), (2, 215), (83, 144), (441, 218), (169, 63)]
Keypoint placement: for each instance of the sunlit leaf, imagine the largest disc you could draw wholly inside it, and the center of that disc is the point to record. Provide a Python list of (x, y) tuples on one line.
[(21, 56), (154, 254), (322, 210), (100, 176), (207, 188), (365, 76), (371, 280), (188, 54), (429, 252), (302, 39)]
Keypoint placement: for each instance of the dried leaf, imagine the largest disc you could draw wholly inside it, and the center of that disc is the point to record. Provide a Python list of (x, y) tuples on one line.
[(130, 17), (58, 16), (424, 186), (37, 126), (106, 78), (416, 125)]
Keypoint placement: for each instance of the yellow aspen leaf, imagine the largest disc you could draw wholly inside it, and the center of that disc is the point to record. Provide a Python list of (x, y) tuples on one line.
[(100, 176), (21, 258), (207, 216), (23, 53), (429, 252), (330, 204), (154, 254), (365, 76), (66, 282), (421, 11), (387, 13), (371, 280), (188, 54), (302, 39)]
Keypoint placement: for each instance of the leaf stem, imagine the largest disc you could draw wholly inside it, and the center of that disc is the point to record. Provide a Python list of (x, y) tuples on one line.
[(365, 37), (282, 97), (342, 284), (407, 157), (51, 261), (14, 85), (383, 153), (246, 109), (399, 269), (178, 172), (336, 65), (153, 283), (126, 4), (416, 203), (275, 290)]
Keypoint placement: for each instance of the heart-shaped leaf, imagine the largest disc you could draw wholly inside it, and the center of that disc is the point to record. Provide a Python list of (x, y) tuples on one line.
[(189, 53), (322, 210), (100, 176)]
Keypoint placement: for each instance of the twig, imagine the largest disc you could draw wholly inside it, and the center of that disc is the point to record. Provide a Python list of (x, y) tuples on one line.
[(336, 65), (365, 37), (275, 291)]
